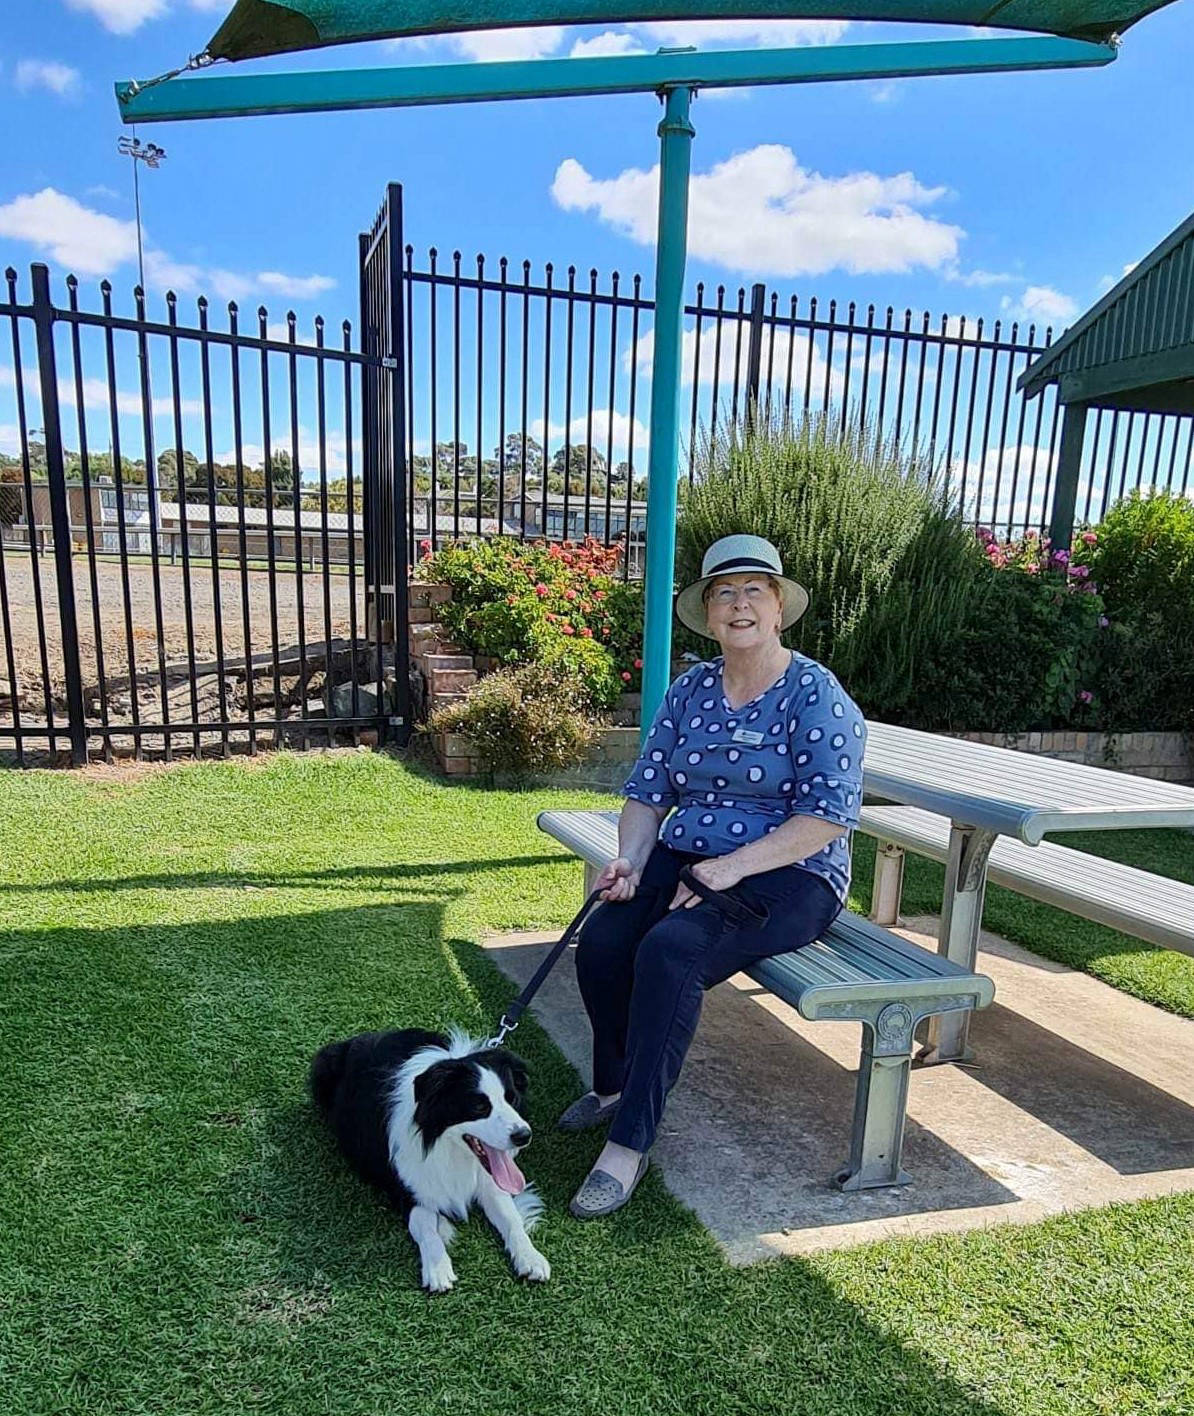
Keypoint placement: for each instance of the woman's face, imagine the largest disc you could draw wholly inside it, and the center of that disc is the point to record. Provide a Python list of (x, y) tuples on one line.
[(743, 611)]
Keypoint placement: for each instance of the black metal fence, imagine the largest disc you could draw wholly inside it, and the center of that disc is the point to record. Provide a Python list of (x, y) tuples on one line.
[(183, 531), (528, 400), (205, 534)]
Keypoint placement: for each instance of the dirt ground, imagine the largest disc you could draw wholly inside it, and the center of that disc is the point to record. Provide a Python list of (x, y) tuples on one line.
[(26, 633)]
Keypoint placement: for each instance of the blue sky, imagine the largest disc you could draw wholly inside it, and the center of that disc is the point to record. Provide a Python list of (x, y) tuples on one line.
[(1019, 195)]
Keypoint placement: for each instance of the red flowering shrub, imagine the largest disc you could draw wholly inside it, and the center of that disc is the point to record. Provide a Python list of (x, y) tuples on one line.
[(529, 602)]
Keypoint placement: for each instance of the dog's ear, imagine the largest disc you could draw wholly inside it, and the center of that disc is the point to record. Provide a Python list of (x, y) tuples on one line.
[(435, 1081), (512, 1070)]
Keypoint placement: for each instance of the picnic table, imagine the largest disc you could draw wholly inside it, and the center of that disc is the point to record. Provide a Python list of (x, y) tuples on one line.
[(987, 792)]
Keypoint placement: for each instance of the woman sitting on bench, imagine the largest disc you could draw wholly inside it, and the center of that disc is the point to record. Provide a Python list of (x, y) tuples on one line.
[(751, 775)]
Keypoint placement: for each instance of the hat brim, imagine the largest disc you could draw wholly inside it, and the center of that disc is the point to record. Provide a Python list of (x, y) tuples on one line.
[(690, 604)]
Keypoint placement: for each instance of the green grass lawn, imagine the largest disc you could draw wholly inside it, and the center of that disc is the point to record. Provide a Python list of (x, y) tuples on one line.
[(177, 1236)]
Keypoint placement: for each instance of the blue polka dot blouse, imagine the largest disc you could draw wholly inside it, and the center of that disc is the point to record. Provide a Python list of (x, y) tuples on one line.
[(731, 775)]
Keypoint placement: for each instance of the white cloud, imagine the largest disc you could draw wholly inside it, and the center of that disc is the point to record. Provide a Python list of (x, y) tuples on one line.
[(95, 396), (980, 278), (1016, 467), (99, 190), (732, 359), (41, 73), (86, 241), (121, 16), (335, 455), (162, 273), (761, 213), (1040, 303), (89, 242), (295, 287), (536, 42), (609, 43), (602, 418), (746, 34), (279, 331), (1108, 282), (125, 16)]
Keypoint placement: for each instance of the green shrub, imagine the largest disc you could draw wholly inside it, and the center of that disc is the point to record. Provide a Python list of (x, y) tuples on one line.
[(1026, 660), (583, 662), (1142, 558), (526, 721), (893, 575)]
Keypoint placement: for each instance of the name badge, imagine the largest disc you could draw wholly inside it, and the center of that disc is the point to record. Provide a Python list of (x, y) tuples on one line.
[(746, 736)]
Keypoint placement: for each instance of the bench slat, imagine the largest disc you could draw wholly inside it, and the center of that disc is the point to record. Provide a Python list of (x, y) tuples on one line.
[(1150, 907)]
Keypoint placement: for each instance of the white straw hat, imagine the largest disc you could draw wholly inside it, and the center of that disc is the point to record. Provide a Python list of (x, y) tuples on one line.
[(739, 555)]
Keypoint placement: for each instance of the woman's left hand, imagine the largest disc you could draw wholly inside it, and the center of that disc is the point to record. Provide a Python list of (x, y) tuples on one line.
[(719, 873)]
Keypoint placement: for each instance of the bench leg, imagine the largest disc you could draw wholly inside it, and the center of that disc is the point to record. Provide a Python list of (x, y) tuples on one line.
[(880, 1103), (957, 939), (889, 883), (591, 874)]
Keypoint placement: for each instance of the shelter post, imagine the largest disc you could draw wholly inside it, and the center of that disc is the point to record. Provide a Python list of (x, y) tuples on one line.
[(1065, 490), (675, 158)]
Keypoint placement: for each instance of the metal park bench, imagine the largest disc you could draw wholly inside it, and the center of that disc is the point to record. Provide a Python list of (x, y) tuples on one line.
[(1147, 906), (857, 972)]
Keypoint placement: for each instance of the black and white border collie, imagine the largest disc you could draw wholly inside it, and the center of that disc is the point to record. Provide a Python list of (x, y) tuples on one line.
[(433, 1122)]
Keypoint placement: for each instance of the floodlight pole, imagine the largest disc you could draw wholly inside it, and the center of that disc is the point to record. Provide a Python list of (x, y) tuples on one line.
[(671, 253)]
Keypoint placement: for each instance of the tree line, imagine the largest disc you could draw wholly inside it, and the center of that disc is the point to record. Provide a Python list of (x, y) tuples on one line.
[(514, 467)]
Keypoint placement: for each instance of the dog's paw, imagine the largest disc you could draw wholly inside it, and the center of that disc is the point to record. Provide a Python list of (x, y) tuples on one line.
[(439, 1276), (530, 1263)]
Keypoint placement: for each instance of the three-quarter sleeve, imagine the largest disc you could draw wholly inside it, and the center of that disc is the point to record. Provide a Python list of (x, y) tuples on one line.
[(827, 739), (650, 780)]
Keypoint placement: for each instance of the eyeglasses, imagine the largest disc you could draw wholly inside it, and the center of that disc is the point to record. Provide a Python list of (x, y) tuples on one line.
[(727, 594)]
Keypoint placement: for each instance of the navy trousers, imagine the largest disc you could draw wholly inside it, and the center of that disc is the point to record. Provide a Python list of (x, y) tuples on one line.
[(643, 971)]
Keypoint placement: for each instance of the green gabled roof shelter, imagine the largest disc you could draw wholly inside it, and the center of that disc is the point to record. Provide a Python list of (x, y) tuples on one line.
[(1132, 351)]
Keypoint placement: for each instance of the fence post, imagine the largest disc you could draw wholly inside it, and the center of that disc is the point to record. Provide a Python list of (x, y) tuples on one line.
[(47, 367), (754, 355), (1065, 488)]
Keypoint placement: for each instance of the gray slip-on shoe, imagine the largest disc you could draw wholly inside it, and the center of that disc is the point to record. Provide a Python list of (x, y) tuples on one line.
[(585, 1113), (601, 1194)]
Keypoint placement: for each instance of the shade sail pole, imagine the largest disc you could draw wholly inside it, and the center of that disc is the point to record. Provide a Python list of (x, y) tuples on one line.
[(671, 254)]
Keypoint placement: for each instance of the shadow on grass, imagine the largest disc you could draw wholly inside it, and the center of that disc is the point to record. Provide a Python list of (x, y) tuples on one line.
[(263, 879), (159, 1073)]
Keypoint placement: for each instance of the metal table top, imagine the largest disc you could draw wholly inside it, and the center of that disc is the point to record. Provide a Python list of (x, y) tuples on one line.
[(1014, 793)]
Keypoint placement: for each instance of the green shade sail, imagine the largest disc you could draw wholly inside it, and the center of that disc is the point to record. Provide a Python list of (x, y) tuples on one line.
[(260, 27)]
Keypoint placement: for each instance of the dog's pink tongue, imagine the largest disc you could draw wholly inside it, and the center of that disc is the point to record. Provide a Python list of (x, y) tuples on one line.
[(506, 1175)]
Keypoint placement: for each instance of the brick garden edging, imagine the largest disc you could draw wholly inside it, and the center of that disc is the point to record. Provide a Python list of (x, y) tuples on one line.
[(1164, 756)]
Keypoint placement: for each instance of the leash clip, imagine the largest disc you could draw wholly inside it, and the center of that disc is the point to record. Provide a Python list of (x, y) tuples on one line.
[(505, 1028)]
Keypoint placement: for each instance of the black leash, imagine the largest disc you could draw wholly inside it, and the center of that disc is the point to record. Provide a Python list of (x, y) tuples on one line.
[(736, 910), (513, 1014)]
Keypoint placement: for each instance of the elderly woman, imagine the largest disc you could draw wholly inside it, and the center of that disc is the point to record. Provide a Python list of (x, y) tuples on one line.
[(751, 775)]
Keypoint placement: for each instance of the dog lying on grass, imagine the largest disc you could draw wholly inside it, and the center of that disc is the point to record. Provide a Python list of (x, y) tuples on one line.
[(434, 1123)]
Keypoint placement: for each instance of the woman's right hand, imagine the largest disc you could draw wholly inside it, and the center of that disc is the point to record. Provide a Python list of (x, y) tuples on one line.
[(619, 880)]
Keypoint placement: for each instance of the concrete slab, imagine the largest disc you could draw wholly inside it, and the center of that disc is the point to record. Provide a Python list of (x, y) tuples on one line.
[(1081, 1096)]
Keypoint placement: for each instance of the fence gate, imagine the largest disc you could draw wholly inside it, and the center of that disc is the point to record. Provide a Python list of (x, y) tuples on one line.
[(383, 435), (202, 542)]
